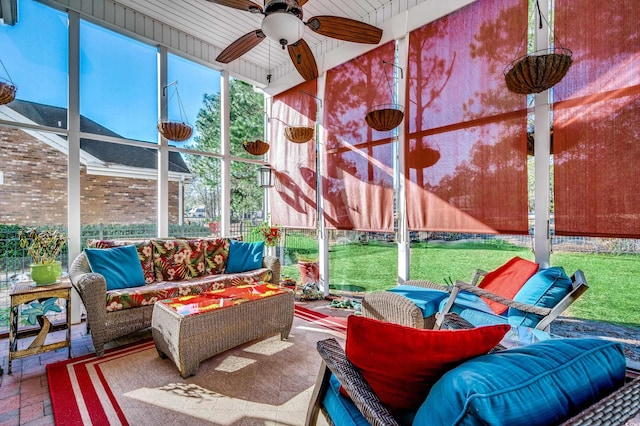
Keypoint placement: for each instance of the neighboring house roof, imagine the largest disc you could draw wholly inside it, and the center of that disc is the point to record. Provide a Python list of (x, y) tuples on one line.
[(125, 155)]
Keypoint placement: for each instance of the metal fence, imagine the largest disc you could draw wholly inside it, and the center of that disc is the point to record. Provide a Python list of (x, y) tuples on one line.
[(294, 243)]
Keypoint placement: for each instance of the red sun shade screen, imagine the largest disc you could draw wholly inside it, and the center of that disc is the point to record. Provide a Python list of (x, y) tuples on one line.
[(357, 177), (465, 154), (293, 198), (596, 118)]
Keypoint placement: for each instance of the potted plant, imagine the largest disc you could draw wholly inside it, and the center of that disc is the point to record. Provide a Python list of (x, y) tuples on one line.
[(43, 247)]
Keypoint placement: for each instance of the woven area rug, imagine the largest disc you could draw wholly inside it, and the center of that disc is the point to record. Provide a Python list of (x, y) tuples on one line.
[(264, 382)]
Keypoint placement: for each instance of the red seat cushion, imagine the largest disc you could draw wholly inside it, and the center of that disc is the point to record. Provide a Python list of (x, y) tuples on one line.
[(507, 280), (401, 364)]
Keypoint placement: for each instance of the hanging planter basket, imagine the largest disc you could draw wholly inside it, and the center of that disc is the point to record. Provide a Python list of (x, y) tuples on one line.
[(176, 131), (384, 117), (173, 130), (256, 148), (538, 71), (7, 92), (298, 134)]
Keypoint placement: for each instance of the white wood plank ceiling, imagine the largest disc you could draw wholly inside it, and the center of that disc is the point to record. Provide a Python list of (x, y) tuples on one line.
[(212, 27)]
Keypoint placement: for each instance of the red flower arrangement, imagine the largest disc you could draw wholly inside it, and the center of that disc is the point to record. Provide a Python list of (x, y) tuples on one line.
[(270, 235)]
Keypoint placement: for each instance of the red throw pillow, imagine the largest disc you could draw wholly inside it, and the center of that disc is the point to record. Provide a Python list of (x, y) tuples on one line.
[(507, 280), (401, 364)]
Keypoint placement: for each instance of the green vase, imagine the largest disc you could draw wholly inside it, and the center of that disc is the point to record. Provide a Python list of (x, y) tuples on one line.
[(46, 273)]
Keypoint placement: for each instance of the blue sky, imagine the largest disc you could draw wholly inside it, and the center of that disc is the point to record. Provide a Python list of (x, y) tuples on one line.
[(118, 75)]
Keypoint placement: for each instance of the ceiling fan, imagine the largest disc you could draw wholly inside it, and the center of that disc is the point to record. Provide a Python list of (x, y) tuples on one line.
[(283, 23)]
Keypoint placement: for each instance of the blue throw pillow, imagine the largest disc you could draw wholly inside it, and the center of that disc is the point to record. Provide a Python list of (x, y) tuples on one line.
[(545, 289), (244, 256), (543, 383), (120, 266)]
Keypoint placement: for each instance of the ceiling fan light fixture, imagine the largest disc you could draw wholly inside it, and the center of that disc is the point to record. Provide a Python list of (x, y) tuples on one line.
[(283, 27)]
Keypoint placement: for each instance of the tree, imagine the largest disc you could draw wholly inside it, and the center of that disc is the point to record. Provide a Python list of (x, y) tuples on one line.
[(246, 123)]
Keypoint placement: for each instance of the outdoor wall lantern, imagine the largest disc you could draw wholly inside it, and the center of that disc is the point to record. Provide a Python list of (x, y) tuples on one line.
[(266, 177)]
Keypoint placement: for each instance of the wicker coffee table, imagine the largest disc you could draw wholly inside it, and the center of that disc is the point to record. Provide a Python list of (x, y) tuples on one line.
[(191, 329)]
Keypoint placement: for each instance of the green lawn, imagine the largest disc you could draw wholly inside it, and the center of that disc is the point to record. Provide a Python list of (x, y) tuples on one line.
[(614, 280)]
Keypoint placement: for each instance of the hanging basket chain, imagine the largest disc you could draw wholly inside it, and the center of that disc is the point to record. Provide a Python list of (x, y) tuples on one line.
[(7, 73), (541, 18), (176, 93)]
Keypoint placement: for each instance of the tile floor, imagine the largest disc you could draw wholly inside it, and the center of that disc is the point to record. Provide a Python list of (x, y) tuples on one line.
[(24, 394)]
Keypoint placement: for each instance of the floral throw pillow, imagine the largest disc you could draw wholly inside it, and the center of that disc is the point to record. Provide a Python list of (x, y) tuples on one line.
[(175, 260), (145, 254), (216, 254)]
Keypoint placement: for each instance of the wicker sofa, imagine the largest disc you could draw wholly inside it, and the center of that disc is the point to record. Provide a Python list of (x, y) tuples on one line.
[(171, 268)]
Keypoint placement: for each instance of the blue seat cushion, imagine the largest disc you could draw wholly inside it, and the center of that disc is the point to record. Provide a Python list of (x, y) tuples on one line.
[(545, 289), (426, 299), (480, 318), (466, 300), (540, 384), (341, 409)]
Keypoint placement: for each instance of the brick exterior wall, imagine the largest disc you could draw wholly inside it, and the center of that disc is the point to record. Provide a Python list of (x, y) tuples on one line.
[(35, 188)]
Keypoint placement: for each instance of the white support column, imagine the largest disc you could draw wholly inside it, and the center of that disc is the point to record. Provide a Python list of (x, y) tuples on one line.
[(163, 149), (404, 242), (542, 143), (225, 142), (323, 236), (181, 201), (74, 219)]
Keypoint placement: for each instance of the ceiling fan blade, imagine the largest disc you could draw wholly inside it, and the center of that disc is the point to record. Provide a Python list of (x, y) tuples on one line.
[(345, 29), (301, 3), (303, 60), (240, 5), (241, 46)]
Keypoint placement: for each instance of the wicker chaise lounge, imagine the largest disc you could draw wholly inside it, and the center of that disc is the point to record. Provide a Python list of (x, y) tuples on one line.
[(393, 306), (549, 298)]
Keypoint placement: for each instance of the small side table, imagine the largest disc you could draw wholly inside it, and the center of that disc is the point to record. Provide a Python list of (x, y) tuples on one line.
[(26, 292)]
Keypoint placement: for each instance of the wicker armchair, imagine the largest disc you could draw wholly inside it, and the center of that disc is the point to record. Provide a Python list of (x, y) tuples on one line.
[(615, 409), (393, 307)]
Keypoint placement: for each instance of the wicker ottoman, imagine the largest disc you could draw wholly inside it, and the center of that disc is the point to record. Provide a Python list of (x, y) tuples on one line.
[(191, 329)]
